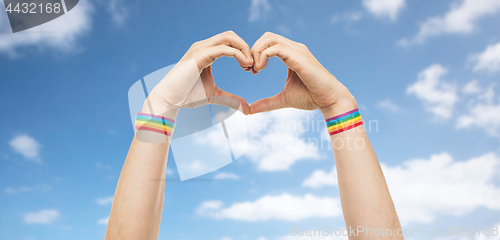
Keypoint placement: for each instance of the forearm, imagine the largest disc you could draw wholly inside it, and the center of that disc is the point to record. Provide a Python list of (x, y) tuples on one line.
[(138, 201), (364, 195)]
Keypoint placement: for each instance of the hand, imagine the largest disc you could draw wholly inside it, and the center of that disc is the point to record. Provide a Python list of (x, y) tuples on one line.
[(182, 86), (308, 86)]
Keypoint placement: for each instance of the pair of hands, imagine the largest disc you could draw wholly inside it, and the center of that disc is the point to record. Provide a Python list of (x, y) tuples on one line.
[(308, 85)]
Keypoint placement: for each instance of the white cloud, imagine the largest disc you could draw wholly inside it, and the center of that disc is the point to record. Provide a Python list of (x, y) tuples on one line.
[(258, 10), (275, 139), (226, 175), (22, 189), (60, 34), (461, 19), (486, 116), (284, 30), (103, 166), (169, 172), (43, 217), (320, 178), (438, 96), (118, 12), (196, 167), (283, 207), (472, 87), (103, 221), (27, 146), (226, 238), (207, 206), (483, 112), (384, 8), (488, 60), (12, 191), (423, 188), (281, 157), (104, 201), (348, 17), (388, 104)]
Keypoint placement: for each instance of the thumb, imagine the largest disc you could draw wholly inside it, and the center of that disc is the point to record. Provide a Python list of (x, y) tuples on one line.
[(268, 104), (224, 98)]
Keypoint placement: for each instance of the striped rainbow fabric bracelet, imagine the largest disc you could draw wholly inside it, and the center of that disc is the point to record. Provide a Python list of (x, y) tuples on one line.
[(343, 122), (154, 123)]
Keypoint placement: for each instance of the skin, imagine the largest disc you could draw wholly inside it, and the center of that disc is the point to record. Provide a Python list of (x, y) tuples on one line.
[(137, 205), (364, 195)]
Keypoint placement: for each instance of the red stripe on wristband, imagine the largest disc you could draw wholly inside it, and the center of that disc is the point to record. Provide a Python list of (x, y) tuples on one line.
[(153, 130), (347, 128)]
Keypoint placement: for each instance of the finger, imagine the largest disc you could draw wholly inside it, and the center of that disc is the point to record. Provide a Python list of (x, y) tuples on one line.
[(209, 55), (230, 39), (274, 51), (268, 104), (224, 98), (284, 53), (267, 40), (257, 46)]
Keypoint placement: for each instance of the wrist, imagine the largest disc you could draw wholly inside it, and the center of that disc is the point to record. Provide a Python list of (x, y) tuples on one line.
[(156, 106), (342, 105)]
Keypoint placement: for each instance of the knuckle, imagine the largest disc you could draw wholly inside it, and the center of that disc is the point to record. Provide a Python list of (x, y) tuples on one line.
[(195, 45), (222, 49), (278, 47), (229, 33), (303, 46), (269, 34)]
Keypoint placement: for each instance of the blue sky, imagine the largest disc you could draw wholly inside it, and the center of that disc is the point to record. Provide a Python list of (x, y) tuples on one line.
[(425, 71)]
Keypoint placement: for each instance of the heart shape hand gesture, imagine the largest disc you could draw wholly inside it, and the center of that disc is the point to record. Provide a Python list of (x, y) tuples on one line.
[(308, 85)]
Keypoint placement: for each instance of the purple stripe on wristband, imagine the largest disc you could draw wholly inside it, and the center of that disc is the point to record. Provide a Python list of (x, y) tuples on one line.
[(341, 115)]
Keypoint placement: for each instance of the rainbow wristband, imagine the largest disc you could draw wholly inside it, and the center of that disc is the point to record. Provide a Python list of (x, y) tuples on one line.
[(343, 122), (154, 123)]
